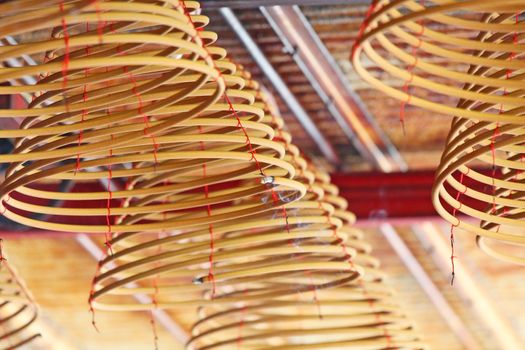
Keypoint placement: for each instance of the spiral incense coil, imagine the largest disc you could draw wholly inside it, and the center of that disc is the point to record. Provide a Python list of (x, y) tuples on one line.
[(495, 196), (357, 314), (341, 320), (173, 269), (138, 102), (258, 249), (290, 249), (427, 48), (353, 238), (18, 310)]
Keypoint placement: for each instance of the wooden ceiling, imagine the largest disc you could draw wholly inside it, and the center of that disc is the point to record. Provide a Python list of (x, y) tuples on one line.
[(337, 26)]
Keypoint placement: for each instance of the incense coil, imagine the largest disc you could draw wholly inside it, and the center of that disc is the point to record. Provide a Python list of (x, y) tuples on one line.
[(172, 84), (320, 183), (354, 315), (174, 269), (495, 196), (19, 311), (343, 319), (259, 249), (429, 48), (345, 316)]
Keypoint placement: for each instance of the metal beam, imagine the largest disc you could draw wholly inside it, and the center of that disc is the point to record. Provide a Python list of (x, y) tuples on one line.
[(436, 297), (281, 87), (252, 4), (319, 67), (433, 239)]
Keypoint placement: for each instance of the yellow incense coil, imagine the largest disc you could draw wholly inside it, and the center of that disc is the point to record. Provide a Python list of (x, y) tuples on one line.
[(343, 318), (141, 107), (420, 52), (266, 255), (481, 170), (494, 196), (19, 311), (355, 314)]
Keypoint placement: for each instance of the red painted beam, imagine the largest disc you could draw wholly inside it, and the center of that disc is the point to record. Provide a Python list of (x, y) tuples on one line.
[(375, 195)]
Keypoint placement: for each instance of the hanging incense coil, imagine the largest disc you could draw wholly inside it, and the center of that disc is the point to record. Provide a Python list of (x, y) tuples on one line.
[(174, 269), (258, 249), (136, 125), (493, 196), (480, 174), (18, 311), (350, 316), (355, 315), (423, 49), (341, 320)]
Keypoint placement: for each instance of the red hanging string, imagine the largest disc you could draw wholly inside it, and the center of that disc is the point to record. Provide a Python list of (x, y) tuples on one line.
[(154, 330), (108, 203), (91, 298), (348, 257), (155, 301), (108, 249), (362, 28), (410, 69), (65, 62), (453, 226), (251, 149), (87, 50), (211, 275), (508, 74), (493, 153), (140, 103)]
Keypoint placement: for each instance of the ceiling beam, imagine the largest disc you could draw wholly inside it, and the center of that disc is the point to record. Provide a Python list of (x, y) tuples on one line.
[(252, 4), (280, 86), (327, 79), (448, 314)]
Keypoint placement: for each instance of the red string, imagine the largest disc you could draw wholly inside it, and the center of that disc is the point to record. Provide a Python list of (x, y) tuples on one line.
[(453, 226), (249, 145), (65, 62), (100, 31), (91, 297), (410, 69), (348, 258), (508, 74), (154, 330), (362, 28), (108, 203), (287, 224), (211, 275), (87, 50), (140, 104), (144, 116), (493, 152)]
